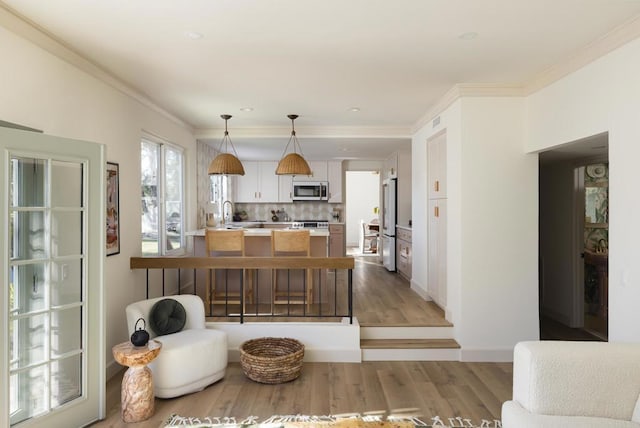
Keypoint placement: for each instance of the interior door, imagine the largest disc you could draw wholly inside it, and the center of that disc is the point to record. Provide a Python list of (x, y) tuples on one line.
[(51, 268)]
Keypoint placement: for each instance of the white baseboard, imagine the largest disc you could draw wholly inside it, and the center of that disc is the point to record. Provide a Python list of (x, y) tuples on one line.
[(448, 315), (113, 368), (422, 292), (486, 355)]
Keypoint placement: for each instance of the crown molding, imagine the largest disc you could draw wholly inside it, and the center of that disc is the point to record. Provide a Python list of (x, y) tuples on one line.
[(307, 132), (466, 90), (29, 30), (441, 105), (605, 44), (483, 90), (612, 40)]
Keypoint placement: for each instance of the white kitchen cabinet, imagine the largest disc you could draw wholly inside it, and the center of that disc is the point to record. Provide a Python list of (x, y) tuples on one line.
[(437, 256), (259, 182), (390, 167), (318, 170), (437, 166), (334, 175), (285, 191)]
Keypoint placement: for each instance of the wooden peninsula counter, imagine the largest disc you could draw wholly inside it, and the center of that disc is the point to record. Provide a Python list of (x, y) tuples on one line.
[(258, 244)]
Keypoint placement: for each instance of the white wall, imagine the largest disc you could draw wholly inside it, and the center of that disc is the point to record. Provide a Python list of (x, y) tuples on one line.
[(404, 187), (42, 91), (499, 240), (492, 225), (556, 240), (603, 96), (363, 195)]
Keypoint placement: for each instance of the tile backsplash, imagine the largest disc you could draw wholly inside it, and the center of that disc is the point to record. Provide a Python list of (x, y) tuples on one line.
[(294, 211)]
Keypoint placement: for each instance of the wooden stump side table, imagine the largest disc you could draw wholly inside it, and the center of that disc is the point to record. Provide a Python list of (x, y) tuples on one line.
[(137, 399)]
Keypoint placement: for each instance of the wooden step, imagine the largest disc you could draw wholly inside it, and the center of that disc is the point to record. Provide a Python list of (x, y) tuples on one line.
[(410, 350), (406, 332), (409, 344)]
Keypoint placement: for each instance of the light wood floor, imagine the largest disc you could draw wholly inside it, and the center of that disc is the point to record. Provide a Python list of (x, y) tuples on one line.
[(446, 389), (385, 298), (380, 298)]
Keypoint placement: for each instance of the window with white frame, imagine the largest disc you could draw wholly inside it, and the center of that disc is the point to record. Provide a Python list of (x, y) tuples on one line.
[(219, 192), (162, 190)]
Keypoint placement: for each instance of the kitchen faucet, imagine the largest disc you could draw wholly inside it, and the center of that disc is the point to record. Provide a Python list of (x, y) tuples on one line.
[(230, 214)]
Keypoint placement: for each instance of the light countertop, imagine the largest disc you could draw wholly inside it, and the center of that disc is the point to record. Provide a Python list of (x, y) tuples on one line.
[(257, 231), (403, 227)]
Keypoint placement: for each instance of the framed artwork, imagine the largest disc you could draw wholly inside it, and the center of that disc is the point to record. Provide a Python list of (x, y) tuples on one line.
[(113, 209)]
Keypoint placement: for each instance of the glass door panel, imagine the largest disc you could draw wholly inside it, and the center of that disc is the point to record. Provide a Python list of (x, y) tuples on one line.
[(46, 254), (52, 322), (26, 231), (66, 282), (27, 288)]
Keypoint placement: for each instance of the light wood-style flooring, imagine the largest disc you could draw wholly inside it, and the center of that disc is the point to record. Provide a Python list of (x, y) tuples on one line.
[(381, 298), (384, 298), (427, 389), (446, 389)]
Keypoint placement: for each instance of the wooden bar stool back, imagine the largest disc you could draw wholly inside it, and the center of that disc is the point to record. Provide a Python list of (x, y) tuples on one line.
[(226, 243), (288, 243)]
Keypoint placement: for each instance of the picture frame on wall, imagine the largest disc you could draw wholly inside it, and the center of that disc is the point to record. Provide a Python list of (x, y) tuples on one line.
[(113, 209)]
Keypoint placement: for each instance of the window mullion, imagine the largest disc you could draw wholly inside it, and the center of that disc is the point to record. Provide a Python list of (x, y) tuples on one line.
[(162, 183)]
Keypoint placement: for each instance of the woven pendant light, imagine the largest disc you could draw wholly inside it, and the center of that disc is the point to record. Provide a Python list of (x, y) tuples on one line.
[(293, 163), (226, 163)]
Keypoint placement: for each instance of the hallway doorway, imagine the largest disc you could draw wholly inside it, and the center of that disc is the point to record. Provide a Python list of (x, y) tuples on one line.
[(362, 206), (573, 240)]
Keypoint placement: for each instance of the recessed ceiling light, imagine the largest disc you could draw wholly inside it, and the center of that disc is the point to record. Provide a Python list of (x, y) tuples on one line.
[(354, 109), (193, 35), (246, 109), (468, 36)]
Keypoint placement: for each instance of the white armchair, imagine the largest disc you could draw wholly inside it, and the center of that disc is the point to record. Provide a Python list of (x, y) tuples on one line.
[(190, 359), (574, 385)]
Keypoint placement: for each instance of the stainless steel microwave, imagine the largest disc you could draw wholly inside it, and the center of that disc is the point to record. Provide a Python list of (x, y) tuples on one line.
[(310, 191)]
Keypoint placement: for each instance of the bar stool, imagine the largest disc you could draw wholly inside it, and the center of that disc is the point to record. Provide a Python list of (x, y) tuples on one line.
[(227, 243), (290, 243)]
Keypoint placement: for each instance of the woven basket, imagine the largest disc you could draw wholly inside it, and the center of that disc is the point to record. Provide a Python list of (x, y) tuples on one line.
[(271, 359)]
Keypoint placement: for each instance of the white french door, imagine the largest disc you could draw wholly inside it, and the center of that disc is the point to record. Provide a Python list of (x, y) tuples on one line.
[(51, 270)]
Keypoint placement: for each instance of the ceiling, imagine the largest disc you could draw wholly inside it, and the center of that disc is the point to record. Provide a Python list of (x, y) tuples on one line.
[(319, 59)]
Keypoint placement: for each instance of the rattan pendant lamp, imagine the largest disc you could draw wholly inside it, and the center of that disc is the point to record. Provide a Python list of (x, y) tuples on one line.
[(293, 163), (226, 163)]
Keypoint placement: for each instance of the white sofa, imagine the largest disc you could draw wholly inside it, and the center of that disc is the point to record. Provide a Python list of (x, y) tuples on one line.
[(190, 359), (574, 385)]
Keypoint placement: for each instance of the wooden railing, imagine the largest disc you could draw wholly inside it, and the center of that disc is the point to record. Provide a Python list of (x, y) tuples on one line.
[(331, 287)]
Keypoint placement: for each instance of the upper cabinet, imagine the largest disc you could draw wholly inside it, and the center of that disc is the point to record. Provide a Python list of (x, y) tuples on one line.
[(391, 167), (334, 176), (285, 192), (330, 171), (259, 182), (437, 167), (318, 172)]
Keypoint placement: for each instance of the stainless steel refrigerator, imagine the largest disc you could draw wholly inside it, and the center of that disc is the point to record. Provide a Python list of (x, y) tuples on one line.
[(389, 208)]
